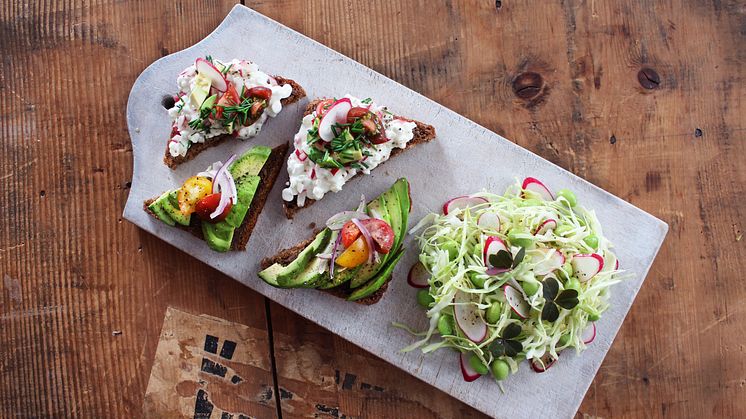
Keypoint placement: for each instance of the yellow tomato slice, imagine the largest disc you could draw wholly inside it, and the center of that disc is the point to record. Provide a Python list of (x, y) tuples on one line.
[(192, 191), (355, 255)]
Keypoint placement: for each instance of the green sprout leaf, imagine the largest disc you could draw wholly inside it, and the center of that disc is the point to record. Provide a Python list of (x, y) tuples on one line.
[(550, 289), (519, 257), (567, 299), (550, 312), (501, 260), (506, 345)]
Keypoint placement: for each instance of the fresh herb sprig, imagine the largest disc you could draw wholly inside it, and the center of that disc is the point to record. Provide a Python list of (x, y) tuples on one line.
[(567, 299), (239, 112)]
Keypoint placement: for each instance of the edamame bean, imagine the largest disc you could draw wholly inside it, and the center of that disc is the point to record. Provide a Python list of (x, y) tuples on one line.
[(564, 340), (424, 298), (530, 287), (592, 241), (592, 317), (451, 247), (445, 324), (493, 312), (562, 229), (476, 279), (568, 195), (500, 369), (519, 241), (477, 365), (572, 283)]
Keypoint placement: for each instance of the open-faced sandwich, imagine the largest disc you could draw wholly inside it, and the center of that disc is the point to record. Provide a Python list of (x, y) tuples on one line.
[(222, 204), (219, 100), (354, 256), (340, 139)]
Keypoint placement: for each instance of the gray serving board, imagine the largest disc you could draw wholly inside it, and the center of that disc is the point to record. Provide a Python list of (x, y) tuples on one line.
[(464, 158)]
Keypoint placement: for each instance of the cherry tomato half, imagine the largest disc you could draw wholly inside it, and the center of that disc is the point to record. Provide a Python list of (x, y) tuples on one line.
[(322, 106), (356, 113), (380, 231), (229, 98), (208, 205), (260, 92)]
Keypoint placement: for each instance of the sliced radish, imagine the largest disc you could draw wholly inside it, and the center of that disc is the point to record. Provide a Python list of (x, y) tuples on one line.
[(544, 363), (462, 202), (534, 185), (467, 318), (418, 276), (516, 301), (492, 246), (546, 226), (587, 266), (209, 70), (552, 260), (616, 265), (302, 156), (489, 220), (336, 114), (611, 263), (589, 334), (466, 369)]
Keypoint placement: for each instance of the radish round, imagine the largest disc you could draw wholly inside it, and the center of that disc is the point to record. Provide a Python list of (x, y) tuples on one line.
[(534, 185), (337, 113), (212, 73), (418, 276), (552, 260), (587, 266), (544, 363), (492, 246), (589, 334), (467, 317), (466, 369), (516, 301), (546, 226), (462, 202), (489, 220)]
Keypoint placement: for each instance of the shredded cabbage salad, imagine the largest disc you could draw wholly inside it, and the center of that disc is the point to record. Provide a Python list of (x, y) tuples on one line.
[(539, 296)]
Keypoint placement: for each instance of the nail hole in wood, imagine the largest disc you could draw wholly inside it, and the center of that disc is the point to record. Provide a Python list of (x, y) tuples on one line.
[(648, 78), (528, 85)]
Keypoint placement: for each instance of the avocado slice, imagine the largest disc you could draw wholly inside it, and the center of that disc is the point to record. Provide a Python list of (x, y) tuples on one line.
[(171, 207), (269, 275), (287, 278), (310, 276), (377, 282), (201, 90), (250, 163), (246, 188), (208, 103), (156, 207), (218, 236)]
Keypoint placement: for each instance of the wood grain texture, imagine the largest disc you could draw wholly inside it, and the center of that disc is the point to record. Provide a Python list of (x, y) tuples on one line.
[(73, 273)]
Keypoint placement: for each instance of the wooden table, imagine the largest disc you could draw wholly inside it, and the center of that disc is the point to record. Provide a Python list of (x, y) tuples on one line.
[(645, 100)]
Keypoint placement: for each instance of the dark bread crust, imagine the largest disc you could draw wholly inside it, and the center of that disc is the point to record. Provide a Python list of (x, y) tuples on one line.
[(286, 256), (423, 133), (268, 176), (297, 94)]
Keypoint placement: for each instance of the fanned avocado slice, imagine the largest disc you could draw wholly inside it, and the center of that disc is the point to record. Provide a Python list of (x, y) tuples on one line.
[(288, 278), (377, 282), (157, 209)]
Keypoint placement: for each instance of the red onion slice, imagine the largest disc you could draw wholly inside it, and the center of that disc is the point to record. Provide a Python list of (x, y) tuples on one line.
[(334, 255), (368, 239), (337, 221), (223, 182)]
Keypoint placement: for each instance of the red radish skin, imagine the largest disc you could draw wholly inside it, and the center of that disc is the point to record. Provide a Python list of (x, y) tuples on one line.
[(209, 70), (466, 369), (467, 318), (418, 276), (462, 202), (516, 301), (586, 266), (337, 113), (589, 334), (616, 265), (546, 227), (555, 261), (547, 360), (489, 221), (534, 185)]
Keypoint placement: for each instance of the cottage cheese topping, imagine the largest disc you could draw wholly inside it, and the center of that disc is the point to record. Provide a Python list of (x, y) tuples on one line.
[(309, 181), (242, 74)]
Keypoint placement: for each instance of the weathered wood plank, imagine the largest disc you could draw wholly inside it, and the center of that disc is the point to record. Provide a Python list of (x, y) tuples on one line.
[(84, 293)]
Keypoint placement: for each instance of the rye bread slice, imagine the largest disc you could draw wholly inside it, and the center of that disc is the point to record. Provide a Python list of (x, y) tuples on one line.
[(286, 256), (297, 94), (268, 176), (423, 133)]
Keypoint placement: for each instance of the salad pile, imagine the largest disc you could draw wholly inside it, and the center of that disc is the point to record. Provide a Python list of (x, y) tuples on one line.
[(513, 277)]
